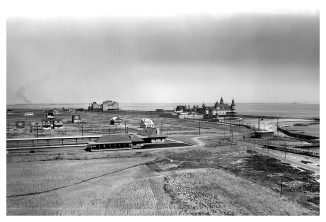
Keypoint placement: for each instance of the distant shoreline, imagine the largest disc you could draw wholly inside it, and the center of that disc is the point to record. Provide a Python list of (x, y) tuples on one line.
[(263, 110)]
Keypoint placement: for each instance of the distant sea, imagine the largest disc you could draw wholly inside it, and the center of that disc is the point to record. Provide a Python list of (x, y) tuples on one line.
[(293, 110)]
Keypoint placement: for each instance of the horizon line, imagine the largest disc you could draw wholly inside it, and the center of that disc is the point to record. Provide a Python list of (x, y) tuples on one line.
[(51, 103)]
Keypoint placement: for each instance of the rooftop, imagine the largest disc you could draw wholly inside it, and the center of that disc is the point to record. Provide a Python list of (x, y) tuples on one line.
[(119, 138)]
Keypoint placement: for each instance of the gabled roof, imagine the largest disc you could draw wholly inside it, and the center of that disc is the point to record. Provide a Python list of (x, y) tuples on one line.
[(114, 138), (135, 138), (147, 131)]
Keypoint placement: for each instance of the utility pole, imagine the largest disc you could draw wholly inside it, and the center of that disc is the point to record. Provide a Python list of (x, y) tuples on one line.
[(258, 124), (125, 127), (224, 126), (230, 125), (82, 130), (232, 136), (199, 127)]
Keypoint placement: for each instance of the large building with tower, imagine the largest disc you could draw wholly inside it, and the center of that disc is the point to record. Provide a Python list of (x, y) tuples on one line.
[(219, 111)]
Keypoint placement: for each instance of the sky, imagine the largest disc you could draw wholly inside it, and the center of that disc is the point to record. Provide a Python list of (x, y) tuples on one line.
[(247, 54)]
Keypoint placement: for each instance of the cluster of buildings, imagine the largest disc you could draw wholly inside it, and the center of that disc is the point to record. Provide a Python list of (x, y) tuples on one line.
[(50, 121), (219, 111), (105, 106)]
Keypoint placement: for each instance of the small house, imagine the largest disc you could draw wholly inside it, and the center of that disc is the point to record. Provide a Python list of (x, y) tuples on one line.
[(57, 124), (146, 123), (46, 124), (75, 119), (115, 120), (49, 115), (56, 112), (10, 112), (29, 113), (20, 124)]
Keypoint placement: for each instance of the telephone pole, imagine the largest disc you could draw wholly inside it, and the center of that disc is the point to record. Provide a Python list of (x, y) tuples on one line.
[(199, 127), (224, 126)]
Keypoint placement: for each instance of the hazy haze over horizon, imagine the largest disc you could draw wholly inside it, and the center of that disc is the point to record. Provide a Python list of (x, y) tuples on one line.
[(253, 58)]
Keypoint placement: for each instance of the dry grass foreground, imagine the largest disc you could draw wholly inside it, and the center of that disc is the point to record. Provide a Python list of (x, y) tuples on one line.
[(216, 192), (199, 181), (121, 186)]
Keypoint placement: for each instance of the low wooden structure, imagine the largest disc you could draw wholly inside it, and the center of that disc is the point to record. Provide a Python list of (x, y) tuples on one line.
[(49, 142), (149, 134), (263, 134), (118, 141)]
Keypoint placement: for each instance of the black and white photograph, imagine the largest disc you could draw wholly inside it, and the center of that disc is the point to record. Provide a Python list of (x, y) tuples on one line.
[(162, 108)]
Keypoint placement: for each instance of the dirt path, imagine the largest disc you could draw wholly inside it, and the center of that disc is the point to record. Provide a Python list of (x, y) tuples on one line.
[(198, 141)]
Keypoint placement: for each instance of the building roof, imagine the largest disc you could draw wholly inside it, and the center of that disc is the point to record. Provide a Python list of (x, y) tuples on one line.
[(149, 132), (135, 138), (263, 132), (110, 102), (114, 138), (119, 138)]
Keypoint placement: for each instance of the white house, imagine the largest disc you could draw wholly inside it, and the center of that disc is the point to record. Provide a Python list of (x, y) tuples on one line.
[(146, 123)]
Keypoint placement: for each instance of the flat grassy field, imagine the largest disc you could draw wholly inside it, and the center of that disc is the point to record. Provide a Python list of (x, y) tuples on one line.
[(223, 180), (116, 187)]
